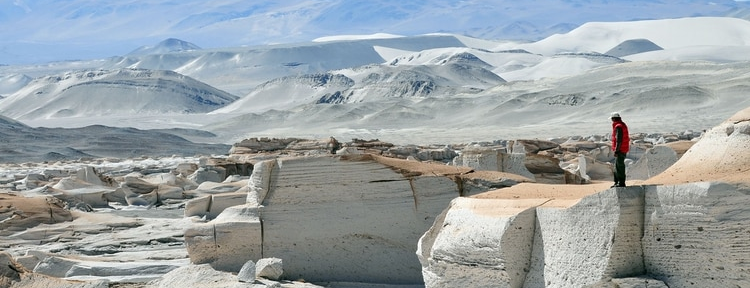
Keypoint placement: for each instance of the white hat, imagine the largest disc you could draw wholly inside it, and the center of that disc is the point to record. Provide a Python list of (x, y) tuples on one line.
[(615, 115)]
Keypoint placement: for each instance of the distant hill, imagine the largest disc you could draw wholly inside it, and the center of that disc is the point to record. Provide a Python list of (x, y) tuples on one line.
[(26, 144), (450, 72), (12, 82), (668, 34), (113, 92), (167, 46), (633, 46)]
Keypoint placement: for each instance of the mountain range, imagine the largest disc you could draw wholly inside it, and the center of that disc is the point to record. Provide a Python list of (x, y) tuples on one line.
[(662, 75)]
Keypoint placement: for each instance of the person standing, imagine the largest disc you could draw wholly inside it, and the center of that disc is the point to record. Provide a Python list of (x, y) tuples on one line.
[(620, 146)]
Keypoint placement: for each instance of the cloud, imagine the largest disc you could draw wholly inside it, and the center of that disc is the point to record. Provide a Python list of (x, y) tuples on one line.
[(23, 5)]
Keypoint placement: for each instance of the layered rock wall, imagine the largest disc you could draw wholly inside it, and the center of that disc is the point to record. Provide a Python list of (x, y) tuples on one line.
[(353, 218), (689, 235), (698, 235), (348, 227), (469, 245)]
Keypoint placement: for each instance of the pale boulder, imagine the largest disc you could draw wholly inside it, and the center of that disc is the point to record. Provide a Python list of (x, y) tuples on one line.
[(135, 199), (165, 192), (491, 159), (247, 272), (76, 190), (578, 169), (20, 213), (653, 162), (31, 181), (546, 169), (185, 169), (533, 146), (208, 173), (88, 174), (54, 266), (14, 275), (204, 276), (269, 268), (77, 269), (137, 184), (478, 243), (484, 159)]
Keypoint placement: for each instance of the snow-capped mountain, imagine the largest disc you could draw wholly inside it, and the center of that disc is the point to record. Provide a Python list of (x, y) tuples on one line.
[(239, 69), (667, 33), (434, 88), (51, 30), (652, 96), (110, 93), (452, 74)]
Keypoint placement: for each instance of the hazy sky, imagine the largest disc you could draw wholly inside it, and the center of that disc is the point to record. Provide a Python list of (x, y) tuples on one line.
[(52, 30)]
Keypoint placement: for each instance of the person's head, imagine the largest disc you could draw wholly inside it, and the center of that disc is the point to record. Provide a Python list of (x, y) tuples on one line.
[(615, 116)]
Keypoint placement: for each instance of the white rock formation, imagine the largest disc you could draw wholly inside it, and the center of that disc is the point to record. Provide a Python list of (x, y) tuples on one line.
[(654, 161), (488, 159), (567, 252), (687, 228), (697, 235), (469, 246), (93, 195), (361, 215), (642, 230), (74, 269)]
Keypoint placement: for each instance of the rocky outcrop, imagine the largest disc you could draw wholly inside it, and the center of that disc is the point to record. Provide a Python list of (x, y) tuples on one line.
[(361, 215), (522, 158), (672, 232), (695, 235), (19, 213), (490, 159), (658, 231)]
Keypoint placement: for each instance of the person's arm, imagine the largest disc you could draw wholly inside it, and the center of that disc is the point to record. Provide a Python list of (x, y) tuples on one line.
[(618, 142)]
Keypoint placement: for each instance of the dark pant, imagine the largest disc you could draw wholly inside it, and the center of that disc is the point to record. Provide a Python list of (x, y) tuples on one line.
[(619, 172)]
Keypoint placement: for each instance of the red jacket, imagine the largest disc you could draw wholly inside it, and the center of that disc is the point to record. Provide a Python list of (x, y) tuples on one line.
[(624, 143)]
